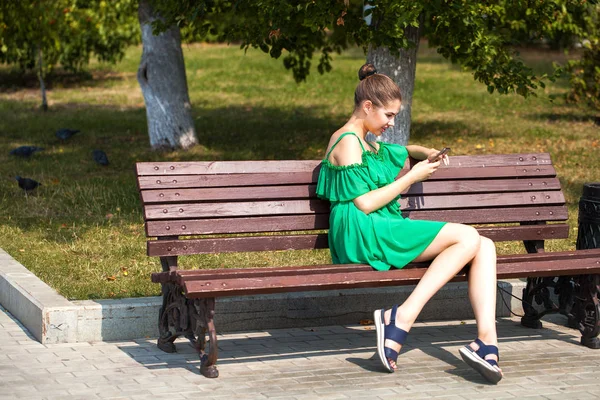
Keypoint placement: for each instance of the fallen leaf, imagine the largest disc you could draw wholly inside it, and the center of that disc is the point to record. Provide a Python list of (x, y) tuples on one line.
[(22, 250), (111, 278)]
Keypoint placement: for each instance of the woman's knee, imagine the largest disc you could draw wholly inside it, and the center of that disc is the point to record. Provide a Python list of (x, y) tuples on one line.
[(487, 246), (470, 239)]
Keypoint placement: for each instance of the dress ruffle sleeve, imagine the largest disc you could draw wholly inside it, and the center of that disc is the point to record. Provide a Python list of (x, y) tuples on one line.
[(343, 183), (395, 153)]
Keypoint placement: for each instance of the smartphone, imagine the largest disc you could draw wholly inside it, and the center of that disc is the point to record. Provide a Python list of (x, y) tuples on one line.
[(440, 154)]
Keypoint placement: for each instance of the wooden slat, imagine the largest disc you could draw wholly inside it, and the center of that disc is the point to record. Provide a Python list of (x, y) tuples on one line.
[(238, 225), (224, 167), (181, 276), (195, 210), (493, 215), (319, 241), (229, 180), (321, 221), (490, 172), (246, 243), (482, 186), (279, 207), (308, 190), (246, 167), (567, 263), (307, 177), (482, 200), (229, 193)]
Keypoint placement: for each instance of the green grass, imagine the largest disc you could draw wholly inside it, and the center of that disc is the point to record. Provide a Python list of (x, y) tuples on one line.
[(83, 231)]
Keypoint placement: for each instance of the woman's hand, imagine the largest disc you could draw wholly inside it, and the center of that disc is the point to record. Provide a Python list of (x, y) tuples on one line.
[(423, 170), (433, 152)]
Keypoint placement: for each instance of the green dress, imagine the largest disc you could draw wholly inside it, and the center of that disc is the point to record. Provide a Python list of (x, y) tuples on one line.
[(383, 238)]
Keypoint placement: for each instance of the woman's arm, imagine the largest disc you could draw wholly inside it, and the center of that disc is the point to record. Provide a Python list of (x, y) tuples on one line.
[(420, 152), (375, 199)]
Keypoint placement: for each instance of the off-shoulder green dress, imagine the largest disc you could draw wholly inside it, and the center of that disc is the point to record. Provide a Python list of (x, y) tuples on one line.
[(383, 238)]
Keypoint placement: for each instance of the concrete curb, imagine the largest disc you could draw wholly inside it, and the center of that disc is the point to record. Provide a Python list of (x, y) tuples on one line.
[(53, 319)]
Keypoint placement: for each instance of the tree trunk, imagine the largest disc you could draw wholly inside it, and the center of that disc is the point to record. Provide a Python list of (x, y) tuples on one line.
[(40, 74), (161, 76), (402, 70)]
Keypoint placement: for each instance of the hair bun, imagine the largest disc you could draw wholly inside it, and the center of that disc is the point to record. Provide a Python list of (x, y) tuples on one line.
[(366, 71)]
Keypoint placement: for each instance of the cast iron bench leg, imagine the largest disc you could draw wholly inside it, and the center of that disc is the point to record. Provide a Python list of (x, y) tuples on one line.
[(203, 320), (587, 310), (190, 318), (169, 327)]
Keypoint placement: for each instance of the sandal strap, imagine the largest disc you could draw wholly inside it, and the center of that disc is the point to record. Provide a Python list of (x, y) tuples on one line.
[(485, 349), (393, 333)]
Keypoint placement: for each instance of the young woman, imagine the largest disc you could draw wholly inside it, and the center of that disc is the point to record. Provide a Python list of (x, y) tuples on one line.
[(366, 225)]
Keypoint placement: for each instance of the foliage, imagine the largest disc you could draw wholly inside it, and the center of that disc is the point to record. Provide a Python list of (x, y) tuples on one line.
[(68, 32), (584, 74), (472, 33)]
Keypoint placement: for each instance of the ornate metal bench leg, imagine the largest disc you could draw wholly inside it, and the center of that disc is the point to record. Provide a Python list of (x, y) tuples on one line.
[(203, 320), (169, 318), (587, 310), (531, 319)]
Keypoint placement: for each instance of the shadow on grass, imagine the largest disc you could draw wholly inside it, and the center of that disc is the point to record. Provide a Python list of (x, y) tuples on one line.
[(13, 80), (76, 190), (567, 117)]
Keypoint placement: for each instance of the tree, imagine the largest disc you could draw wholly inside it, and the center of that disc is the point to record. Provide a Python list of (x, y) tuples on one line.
[(474, 34), (161, 76), (584, 73), (43, 33)]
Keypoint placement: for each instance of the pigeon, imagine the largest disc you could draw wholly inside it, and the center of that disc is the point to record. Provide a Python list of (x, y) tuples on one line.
[(25, 151), (27, 184), (100, 157), (65, 133)]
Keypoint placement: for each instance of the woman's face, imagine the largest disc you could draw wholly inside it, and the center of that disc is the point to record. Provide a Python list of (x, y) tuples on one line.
[(381, 118)]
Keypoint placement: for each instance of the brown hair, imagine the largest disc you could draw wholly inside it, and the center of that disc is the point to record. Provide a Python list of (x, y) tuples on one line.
[(378, 88)]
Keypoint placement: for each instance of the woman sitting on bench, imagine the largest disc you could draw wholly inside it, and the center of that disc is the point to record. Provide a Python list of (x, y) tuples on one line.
[(367, 227)]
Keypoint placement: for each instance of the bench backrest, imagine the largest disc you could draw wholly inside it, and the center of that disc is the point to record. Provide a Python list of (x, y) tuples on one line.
[(510, 196)]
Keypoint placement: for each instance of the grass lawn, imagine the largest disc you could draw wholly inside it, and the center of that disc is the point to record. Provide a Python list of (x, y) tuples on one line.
[(82, 232)]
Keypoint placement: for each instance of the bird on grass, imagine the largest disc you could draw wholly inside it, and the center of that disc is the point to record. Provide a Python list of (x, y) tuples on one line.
[(25, 151), (100, 157), (27, 184), (65, 133)]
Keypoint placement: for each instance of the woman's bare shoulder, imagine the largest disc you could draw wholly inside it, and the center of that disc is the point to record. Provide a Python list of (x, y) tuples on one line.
[(347, 151)]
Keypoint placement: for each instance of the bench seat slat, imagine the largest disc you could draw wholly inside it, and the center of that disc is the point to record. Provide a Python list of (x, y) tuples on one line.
[(182, 275), (565, 263), (306, 191), (319, 241)]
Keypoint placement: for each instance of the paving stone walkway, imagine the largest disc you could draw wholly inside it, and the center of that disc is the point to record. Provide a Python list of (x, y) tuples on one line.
[(335, 362)]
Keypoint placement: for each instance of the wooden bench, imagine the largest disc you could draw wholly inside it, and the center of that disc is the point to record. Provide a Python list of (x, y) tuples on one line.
[(243, 206)]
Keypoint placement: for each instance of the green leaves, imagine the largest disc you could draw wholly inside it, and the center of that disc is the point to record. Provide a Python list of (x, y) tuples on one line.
[(478, 35), (68, 32)]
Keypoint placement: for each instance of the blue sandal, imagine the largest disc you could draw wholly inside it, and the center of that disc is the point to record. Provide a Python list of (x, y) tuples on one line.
[(388, 332), (489, 369)]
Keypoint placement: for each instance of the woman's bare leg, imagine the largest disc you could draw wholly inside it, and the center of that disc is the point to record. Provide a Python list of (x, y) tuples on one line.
[(455, 246), (482, 293)]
